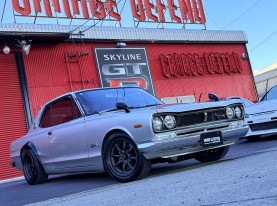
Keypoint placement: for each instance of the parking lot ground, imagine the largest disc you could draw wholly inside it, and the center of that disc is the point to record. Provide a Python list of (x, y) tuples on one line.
[(58, 186), (250, 180)]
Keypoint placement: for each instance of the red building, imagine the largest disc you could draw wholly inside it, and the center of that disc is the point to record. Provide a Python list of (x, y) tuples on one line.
[(166, 62)]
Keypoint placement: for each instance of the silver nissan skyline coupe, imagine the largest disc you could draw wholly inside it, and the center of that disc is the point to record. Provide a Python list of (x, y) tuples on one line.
[(123, 131)]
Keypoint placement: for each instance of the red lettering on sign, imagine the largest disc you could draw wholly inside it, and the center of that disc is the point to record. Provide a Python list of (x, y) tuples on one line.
[(26, 10), (172, 7), (160, 7), (237, 62), (75, 6), (56, 5), (148, 7), (141, 82), (186, 10), (198, 11), (97, 8), (47, 8), (228, 64), (186, 65), (37, 6), (199, 66), (179, 64), (190, 10), (165, 66), (138, 8), (84, 8), (110, 9), (193, 64)]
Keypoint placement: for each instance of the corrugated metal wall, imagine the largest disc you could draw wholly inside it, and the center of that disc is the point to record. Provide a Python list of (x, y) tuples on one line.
[(235, 84), (13, 122), (51, 72)]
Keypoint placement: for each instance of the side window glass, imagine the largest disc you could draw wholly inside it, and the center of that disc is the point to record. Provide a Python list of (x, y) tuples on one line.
[(76, 110), (45, 119), (61, 111), (272, 94)]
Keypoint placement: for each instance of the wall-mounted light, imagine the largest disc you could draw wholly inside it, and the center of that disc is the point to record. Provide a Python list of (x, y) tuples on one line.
[(6, 49), (120, 44), (244, 57), (25, 47)]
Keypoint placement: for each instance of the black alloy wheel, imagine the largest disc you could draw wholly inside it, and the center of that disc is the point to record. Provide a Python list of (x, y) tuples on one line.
[(123, 157), (123, 160), (28, 166), (32, 169)]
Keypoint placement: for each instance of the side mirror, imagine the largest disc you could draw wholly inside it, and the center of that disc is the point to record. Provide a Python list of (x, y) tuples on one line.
[(122, 105), (213, 97)]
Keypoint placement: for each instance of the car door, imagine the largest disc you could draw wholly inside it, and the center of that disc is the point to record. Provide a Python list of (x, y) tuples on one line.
[(66, 141)]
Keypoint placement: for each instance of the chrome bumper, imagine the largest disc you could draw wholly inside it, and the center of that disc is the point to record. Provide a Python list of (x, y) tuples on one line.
[(175, 144)]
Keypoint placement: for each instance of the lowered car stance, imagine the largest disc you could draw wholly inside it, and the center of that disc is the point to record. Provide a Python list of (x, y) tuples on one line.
[(123, 131)]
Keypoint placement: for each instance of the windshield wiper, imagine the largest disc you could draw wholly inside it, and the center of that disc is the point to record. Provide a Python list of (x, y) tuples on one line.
[(114, 109), (148, 105), (108, 110)]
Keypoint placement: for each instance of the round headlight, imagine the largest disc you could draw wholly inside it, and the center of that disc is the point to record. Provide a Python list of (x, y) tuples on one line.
[(229, 112), (169, 121), (238, 112), (157, 123)]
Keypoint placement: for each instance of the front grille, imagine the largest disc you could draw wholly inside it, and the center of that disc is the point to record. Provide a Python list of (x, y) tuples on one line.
[(191, 118), (263, 126), (215, 115)]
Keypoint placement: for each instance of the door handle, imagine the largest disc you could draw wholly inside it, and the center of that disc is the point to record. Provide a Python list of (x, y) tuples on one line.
[(49, 133)]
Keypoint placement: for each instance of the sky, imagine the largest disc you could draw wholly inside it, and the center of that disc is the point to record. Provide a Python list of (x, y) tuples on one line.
[(256, 17)]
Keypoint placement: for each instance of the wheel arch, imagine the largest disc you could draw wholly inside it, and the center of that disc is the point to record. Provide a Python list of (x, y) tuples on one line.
[(107, 136), (29, 145)]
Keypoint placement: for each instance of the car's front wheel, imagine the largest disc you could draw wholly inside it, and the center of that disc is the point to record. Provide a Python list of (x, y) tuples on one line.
[(123, 160), (32, 169), (212, 154)]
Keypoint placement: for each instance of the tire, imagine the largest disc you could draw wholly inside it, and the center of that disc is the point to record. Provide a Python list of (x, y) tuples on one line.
[(32, 169), (253, 138), (123, 160), (212, 155)]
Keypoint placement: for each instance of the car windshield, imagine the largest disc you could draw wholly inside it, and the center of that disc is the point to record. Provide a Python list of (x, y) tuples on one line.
[(95, 101)]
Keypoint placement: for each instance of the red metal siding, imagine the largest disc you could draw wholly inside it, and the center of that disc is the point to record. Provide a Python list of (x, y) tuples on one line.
[(51, 72), (13, 122), (235, 84)]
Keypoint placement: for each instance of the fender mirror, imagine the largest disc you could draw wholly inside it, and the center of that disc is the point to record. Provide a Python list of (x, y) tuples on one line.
[(213, 97)]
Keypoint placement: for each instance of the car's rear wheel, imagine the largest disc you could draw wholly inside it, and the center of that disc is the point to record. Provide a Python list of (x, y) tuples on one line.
[(253, 138), (212, 154), (33, 171), (123, 160)]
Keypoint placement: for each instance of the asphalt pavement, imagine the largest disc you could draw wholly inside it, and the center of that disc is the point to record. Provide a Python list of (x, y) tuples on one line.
[(249, 155)]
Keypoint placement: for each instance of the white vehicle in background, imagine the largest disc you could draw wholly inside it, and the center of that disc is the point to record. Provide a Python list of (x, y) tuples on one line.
[(262, 116)]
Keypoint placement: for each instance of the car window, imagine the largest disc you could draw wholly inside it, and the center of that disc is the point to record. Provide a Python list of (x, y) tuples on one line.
[(76, 111), (61, 111), (45, 119), (95, 101), (272, 94)]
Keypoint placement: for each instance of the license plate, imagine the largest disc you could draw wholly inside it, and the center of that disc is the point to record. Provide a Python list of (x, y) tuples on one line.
[(211, 139)]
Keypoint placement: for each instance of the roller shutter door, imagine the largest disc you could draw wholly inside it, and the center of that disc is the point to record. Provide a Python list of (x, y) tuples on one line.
[(12, 121)]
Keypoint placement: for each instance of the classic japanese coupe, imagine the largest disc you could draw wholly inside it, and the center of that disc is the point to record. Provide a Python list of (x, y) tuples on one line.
[(123, 131)]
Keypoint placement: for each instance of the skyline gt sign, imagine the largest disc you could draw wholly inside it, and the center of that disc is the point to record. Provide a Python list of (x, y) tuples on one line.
[(155, 11)]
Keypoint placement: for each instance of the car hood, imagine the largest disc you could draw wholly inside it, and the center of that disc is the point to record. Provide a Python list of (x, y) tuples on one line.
[(192, 106), (261, 107)]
